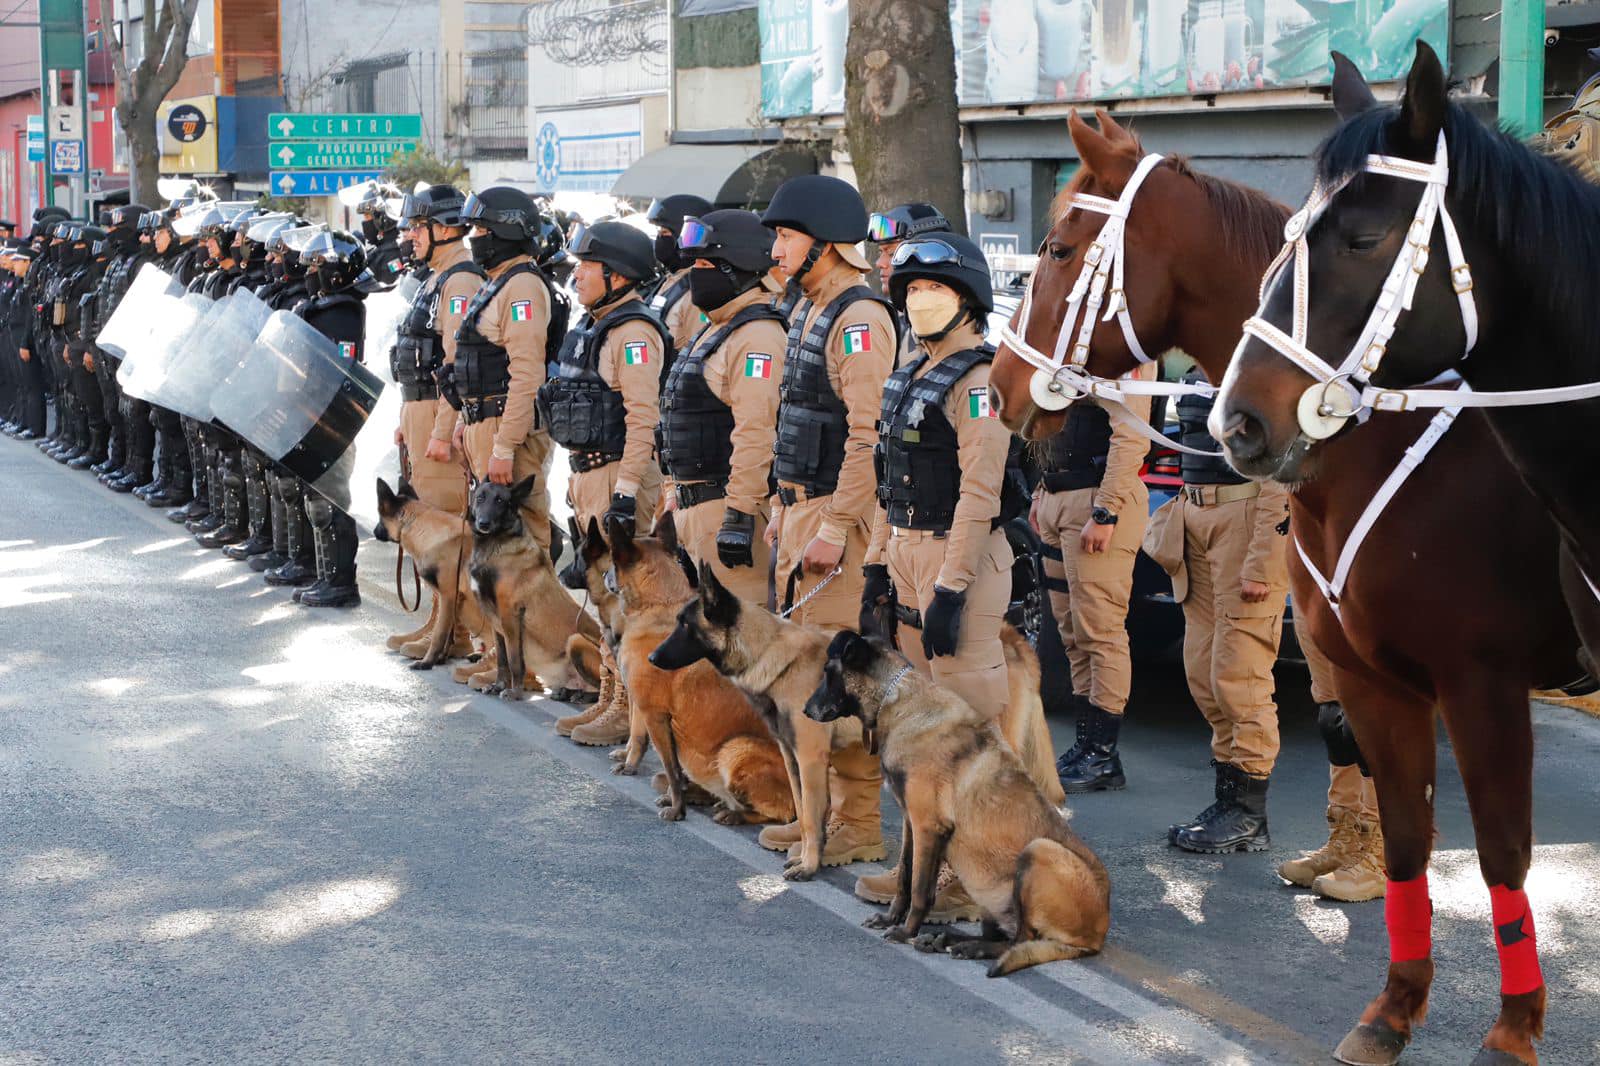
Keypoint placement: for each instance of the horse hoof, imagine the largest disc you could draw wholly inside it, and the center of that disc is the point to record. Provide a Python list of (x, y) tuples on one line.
[(1374, 1044), (1493, 1056)]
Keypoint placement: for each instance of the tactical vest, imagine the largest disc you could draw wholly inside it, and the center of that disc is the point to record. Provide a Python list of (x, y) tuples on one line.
[(696, 438), (1193, 411), (482, 370), (667, 296), (327, 301), (584, 414), (418, 348), (1075, 458), (918, 453), (813, 422)]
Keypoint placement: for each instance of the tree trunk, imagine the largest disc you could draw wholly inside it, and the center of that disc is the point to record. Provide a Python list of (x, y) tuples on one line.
[(900, 105), (144, 150)]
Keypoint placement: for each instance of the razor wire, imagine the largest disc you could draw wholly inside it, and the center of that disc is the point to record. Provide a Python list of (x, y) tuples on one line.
[(587, 33)]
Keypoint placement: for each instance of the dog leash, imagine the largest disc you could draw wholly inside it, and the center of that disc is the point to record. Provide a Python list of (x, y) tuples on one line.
[(818, 587), (399, 583)]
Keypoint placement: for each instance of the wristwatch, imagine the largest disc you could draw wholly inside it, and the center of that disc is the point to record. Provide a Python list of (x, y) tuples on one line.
[(1102, 517)]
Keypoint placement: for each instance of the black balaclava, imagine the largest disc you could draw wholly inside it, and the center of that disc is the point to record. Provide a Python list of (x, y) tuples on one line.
[(371, 230), (491, 249), (711, 287), (668, 252)]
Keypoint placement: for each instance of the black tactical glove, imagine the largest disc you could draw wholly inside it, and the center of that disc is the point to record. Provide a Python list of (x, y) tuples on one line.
[(877, 601), (941, 622), (736, 538), (622, 509)]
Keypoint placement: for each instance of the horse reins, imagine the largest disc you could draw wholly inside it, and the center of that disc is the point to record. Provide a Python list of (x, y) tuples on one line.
[(1061, 378)]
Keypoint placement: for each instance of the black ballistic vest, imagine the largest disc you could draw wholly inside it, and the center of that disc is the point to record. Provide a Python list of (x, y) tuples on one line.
[(1201, 469), (1077, 455), (918, 453), (696, 440), (418, 348), (813, 422), (584, 414), (483, 368), (667, 296)]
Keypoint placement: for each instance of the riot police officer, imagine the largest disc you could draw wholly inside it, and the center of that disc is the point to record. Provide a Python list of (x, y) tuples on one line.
[(671, 301), (334, 260), (26, 415), (425, 341), (128, 253), (224, 451), (178, 479), (292, 560), (85, 255), (380, 233), (719, 407)]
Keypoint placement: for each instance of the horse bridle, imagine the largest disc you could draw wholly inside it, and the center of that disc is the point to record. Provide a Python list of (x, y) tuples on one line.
[(1061, 378), (1343, 392)]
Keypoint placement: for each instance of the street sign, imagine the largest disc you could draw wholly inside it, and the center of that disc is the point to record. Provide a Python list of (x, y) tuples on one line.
[(306, 127), (66, 123), (66, 157), (318, 182), (336, 155), (35, 138)]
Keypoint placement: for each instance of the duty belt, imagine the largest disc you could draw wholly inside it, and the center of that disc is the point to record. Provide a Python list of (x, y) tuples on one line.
[(789, 496), (1211, 495), (1074, 478), (426, 391), (700, 492), (482, 408), (583, 462), (908, 616)]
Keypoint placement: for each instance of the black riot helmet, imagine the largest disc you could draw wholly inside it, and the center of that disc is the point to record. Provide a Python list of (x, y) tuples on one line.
[(436, 203), (127, 215), (551, 244), (947, 258), (51, 213), (669, 213), (736, 238), (618, 247), (505, 212), (829, 209), (336, 257)]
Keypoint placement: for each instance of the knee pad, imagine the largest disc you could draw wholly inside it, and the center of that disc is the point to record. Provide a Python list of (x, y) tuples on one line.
[(1341, 742), (319, 512)]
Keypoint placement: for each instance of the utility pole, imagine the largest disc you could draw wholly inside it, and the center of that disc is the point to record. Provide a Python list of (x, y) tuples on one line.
[(1522, 66)]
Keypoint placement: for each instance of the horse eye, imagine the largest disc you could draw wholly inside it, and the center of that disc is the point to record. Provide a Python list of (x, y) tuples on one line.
[(1059, 252), (1365, 242)]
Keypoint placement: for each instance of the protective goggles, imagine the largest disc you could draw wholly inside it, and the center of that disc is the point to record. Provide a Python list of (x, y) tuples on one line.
[(695, 234), (881, 229), (930, 252), (581, 240), (475, 210)]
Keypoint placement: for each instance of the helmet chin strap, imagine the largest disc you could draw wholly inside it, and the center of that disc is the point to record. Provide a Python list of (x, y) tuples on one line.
[(813, 254)]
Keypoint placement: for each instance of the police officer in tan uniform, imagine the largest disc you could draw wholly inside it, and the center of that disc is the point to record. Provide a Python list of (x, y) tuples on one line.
[(603, 404), (672, 301), (719, 408), (425, 340), (840, 349), (1090, 509), (500, 351), (1233, 583), (938, 551)]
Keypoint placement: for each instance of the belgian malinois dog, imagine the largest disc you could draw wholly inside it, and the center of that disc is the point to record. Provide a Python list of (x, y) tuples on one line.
[(705, 730), (778, 664), (532, 617), (440, 543), (967, 799)]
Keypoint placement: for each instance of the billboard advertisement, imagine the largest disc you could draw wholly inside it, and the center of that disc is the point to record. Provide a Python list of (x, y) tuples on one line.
[(1037, 51)]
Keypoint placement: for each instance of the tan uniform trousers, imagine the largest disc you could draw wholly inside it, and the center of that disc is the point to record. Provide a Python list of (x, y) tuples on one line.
[(977, 671), (589, 493), (1229, 646), (1092, 614), (531, 457), (442, 485), (1346, 787), (697, 532), (838, 606)]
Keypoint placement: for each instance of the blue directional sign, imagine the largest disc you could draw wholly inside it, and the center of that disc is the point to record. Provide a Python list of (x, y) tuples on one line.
[(318, 182)]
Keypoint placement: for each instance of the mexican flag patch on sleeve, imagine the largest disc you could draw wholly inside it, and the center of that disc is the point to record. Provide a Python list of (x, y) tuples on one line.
[(636, 353), (857, 338), (347, 349), (457, 304), (978, 403), (757, 365), (522, 310)]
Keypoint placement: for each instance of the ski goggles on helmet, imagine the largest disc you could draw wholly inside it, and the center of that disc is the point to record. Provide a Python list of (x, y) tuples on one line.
[(695, 234), (933, 252)]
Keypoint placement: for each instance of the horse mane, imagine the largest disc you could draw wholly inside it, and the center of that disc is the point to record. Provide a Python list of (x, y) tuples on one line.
[(1538, 213), (1252, 222)]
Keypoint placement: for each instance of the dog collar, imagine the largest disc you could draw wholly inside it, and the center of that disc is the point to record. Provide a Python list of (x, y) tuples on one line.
[(890, 687)]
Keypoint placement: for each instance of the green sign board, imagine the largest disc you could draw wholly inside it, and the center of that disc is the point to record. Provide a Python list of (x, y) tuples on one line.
[(335, 155), (312, 127)]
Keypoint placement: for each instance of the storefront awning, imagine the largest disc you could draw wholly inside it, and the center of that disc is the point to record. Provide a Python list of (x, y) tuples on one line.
[(729, 175)]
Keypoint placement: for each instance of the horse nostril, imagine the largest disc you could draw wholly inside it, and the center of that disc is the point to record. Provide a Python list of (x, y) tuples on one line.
[(1243, 436)]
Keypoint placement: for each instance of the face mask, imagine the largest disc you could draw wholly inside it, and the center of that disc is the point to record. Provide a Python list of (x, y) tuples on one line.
[(932, 313), (369, 230), (489, 251), (408, 251), (710, 288), (667, 251), (313, 282)]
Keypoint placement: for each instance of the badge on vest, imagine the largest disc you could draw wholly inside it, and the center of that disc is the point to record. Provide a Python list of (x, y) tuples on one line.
[(636, 353), (857, 339), (459, 303), (347, 349), (978, 403), (757, 366), (522, 311)]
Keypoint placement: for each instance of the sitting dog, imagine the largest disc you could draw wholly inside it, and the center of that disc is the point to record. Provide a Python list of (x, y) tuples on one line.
[(702, 726), (967, 799), (532, 616), (439, 542)]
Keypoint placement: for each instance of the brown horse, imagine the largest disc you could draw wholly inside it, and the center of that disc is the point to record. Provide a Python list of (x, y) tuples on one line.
[(1196, 248)]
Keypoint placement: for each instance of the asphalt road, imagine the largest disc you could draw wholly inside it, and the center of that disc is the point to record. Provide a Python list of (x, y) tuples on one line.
[(234, 830)]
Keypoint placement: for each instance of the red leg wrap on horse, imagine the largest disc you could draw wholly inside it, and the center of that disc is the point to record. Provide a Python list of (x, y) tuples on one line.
[(1408, 913), (1514, 939)]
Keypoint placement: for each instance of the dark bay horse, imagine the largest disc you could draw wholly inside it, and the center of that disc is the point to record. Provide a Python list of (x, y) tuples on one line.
[(1196, 248)]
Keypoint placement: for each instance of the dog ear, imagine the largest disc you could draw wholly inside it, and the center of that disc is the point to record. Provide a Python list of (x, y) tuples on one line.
[(523, 489), (854, 652), (721, 606), (594, 543), (386, 498), (688, 568), (667, 533), (557, 544), (407, 492), (624, 552)]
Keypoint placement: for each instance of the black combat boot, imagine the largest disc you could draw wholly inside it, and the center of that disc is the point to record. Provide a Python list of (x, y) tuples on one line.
[(1068, 758), (1226, 783), (234, 527), (116, 453), (321, 552), (340, 589), (1239, 825), (1099, 768), (93, 453)]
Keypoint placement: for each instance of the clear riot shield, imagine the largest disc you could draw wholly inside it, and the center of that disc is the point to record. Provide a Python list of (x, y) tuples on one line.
[(208, 353), (294, 397), (145, 367), (152, 293)]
